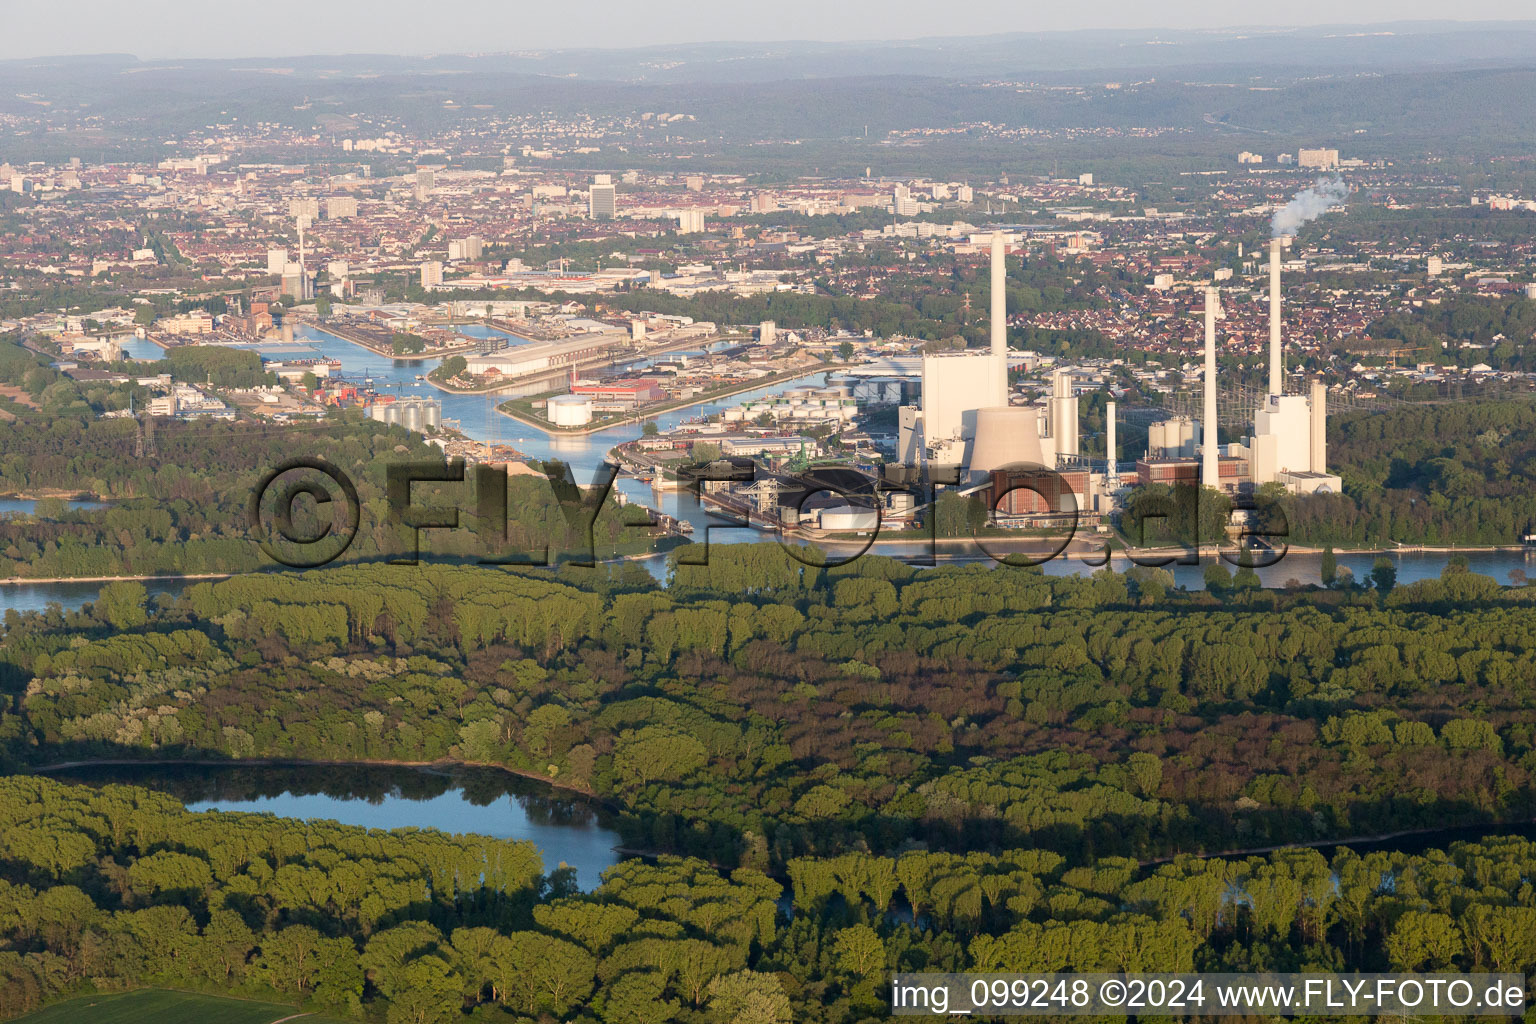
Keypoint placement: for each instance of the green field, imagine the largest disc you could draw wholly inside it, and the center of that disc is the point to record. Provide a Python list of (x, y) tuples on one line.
[(155, 1006)]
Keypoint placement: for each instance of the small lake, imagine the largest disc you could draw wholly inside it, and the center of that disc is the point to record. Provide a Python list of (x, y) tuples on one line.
[(476, 801)]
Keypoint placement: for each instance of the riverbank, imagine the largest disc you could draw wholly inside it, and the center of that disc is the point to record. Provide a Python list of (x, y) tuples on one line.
[(1418, 549), (1421, 838), (441, 764), (1487, 828), (170, 578), (56, 492)]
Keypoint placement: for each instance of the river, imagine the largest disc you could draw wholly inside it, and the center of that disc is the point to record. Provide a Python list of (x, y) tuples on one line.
[(482, 801), (478, 418)]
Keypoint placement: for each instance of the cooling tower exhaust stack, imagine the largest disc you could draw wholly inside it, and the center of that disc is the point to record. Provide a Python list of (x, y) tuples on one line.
[(1209, 467)]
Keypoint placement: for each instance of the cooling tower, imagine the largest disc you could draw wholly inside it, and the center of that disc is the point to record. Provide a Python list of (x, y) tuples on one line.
[(1004, 436)]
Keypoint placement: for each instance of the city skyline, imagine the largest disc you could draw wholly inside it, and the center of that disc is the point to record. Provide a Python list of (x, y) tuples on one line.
[(175, 29)]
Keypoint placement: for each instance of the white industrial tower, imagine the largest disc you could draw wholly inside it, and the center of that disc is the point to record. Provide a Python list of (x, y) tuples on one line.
[(1289, 442), (1276, 361), (1210, 470), (1063, 410), (957, 386), (965, 418), (306, 287), (997, 391), (1111, 468)]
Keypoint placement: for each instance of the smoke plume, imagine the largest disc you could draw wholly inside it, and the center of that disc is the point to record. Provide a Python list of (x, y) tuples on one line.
[(1309, 205)]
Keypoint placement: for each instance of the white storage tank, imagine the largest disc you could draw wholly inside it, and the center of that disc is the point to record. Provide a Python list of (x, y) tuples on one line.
[(570, 410), (1189, 437), (411, 418)]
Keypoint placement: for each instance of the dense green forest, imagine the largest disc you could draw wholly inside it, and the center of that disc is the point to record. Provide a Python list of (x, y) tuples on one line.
[(758, 710), (1503, 328), (119, 887), (183, 508), (179, 491), (1457, 473)]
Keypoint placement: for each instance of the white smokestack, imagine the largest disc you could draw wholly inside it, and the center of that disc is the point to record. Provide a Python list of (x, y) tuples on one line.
[(1319, 411), (1109, 440), (1276, 363), (1209, 468), (999, 321)]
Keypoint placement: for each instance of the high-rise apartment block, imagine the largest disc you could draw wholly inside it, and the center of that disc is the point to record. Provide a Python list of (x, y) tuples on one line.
[(470, 248), (602, 200), (1318, 159)]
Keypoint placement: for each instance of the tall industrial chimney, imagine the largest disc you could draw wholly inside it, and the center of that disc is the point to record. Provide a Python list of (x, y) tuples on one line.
[(1209, 468), (1109, 443), (1276, 364), (1319, 411), (999, 323)]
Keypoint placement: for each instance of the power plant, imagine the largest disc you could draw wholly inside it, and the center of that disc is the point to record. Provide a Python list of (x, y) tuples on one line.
[(1289, 444), (957, 386), (964, 420)]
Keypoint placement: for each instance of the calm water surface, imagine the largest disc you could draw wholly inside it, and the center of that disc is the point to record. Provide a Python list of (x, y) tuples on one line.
[(565, 828)]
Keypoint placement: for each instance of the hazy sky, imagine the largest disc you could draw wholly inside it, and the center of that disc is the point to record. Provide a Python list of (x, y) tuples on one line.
[(223, 28)]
